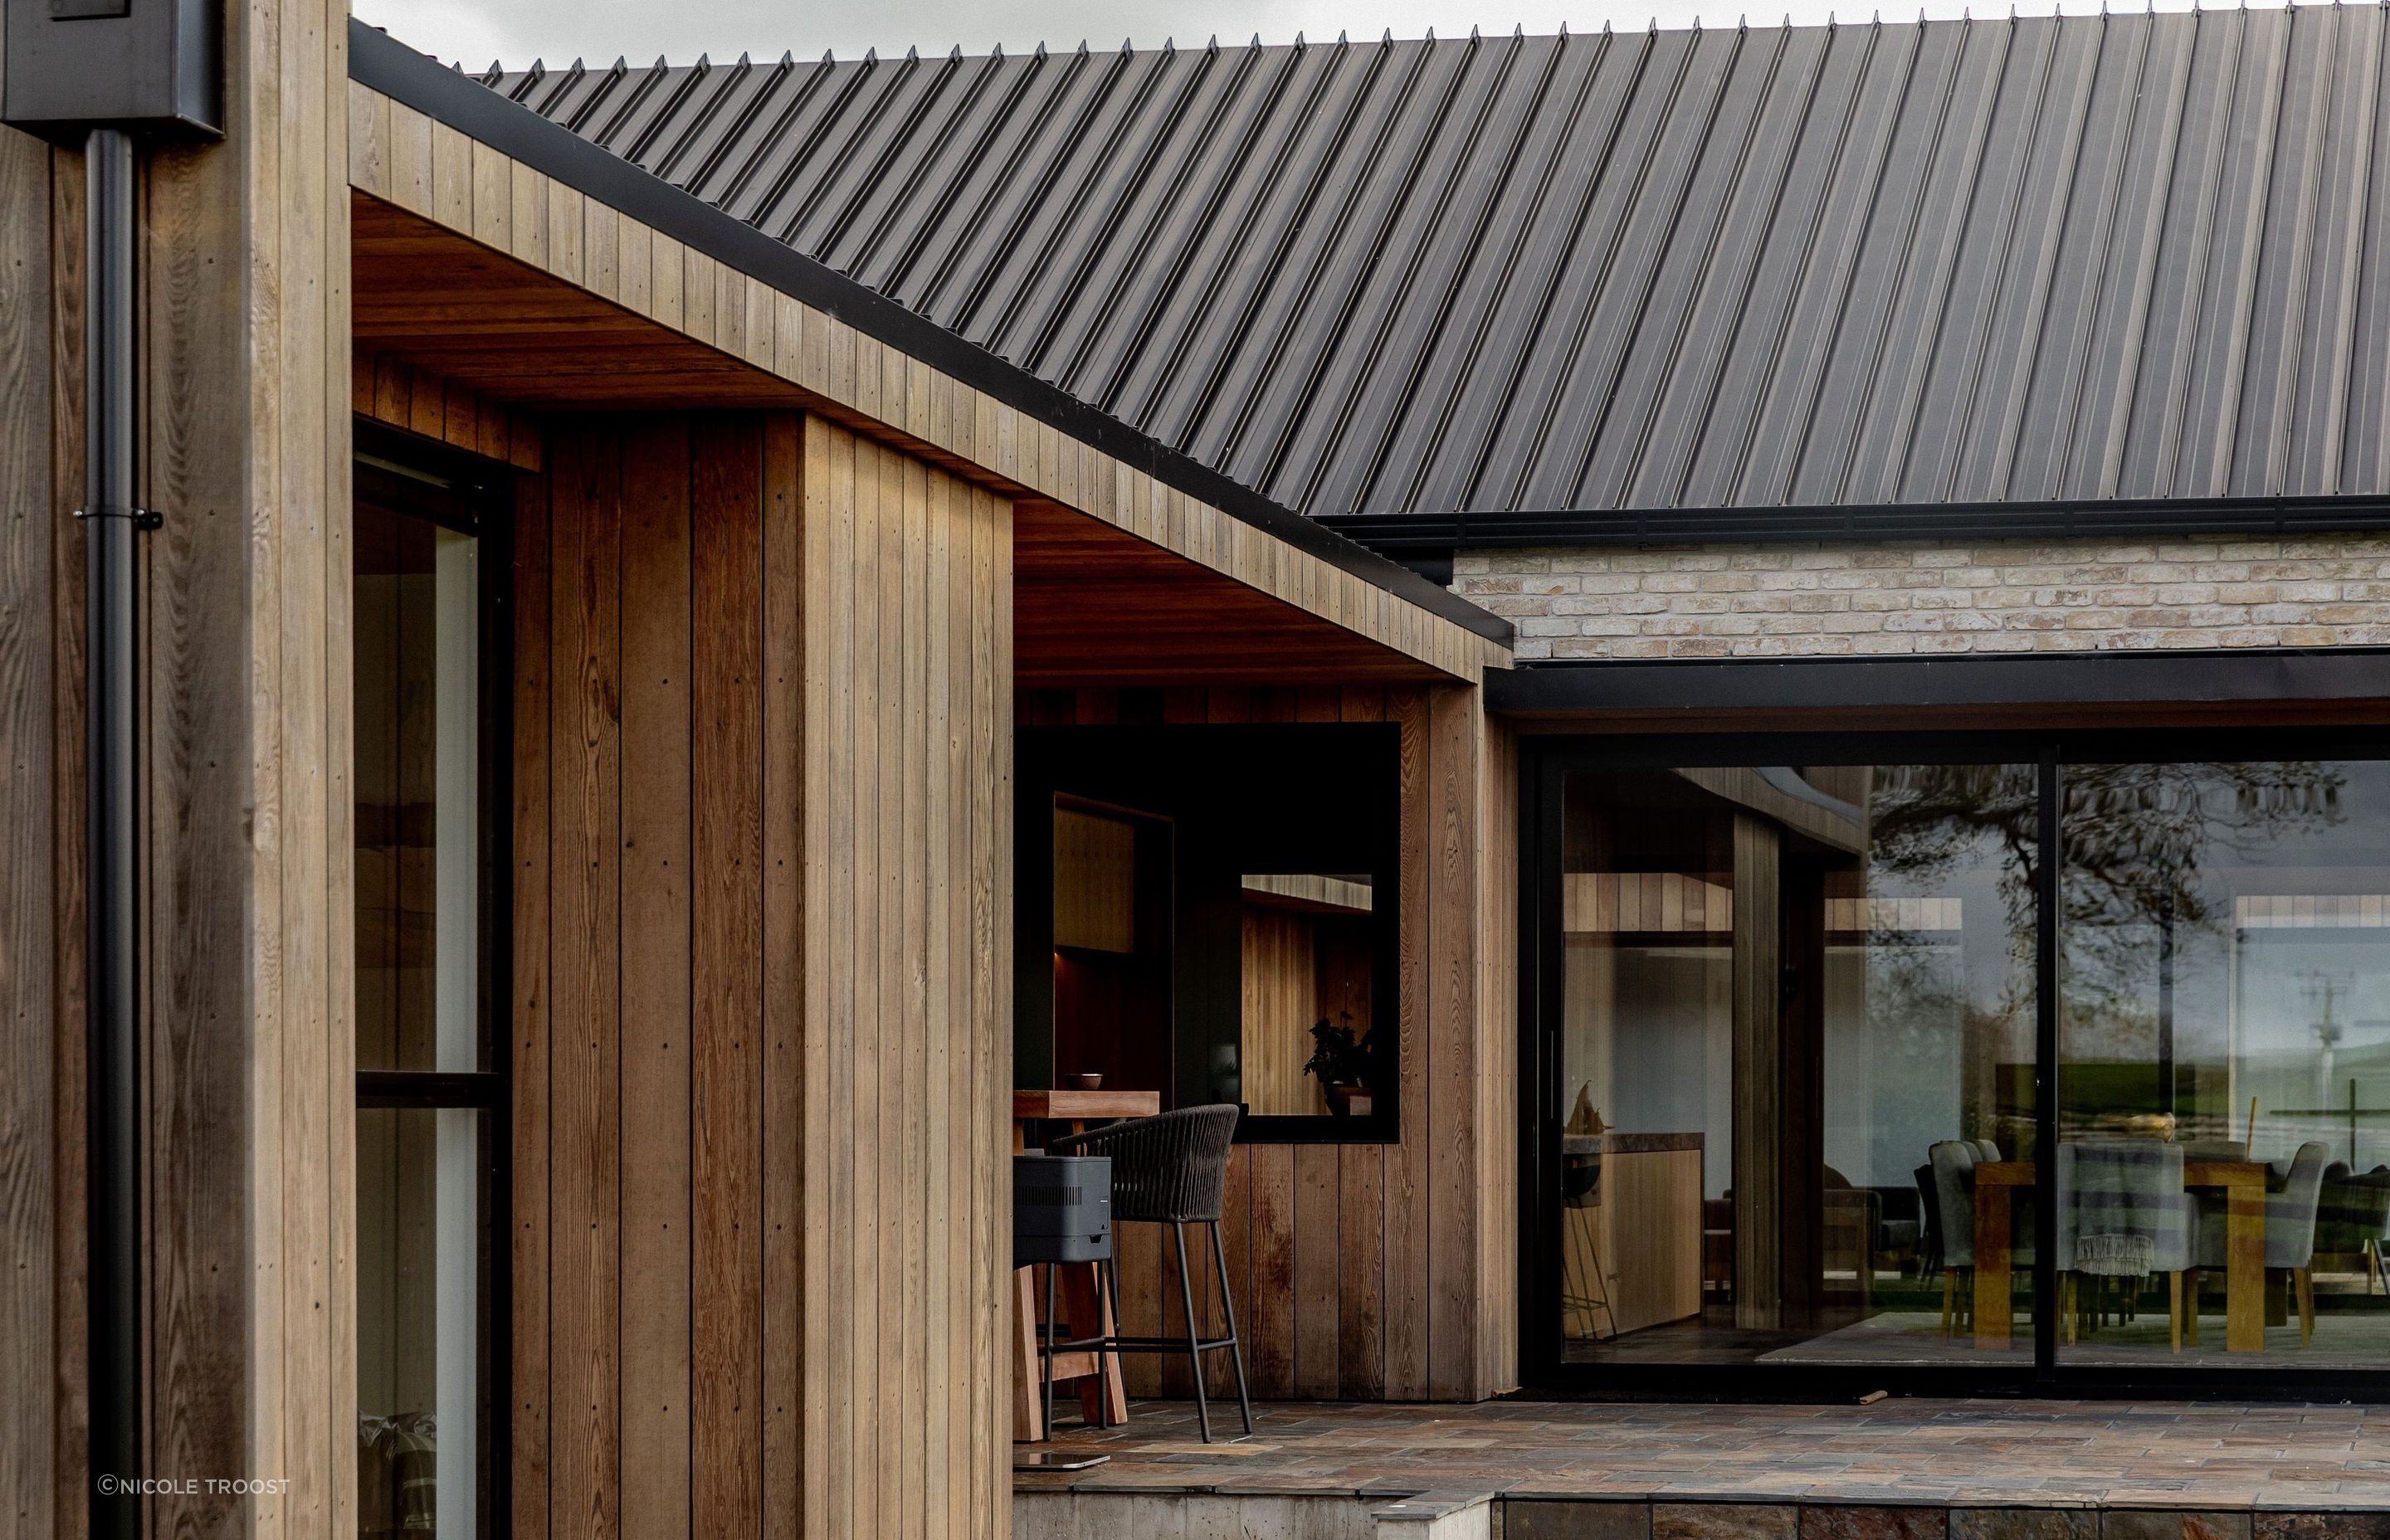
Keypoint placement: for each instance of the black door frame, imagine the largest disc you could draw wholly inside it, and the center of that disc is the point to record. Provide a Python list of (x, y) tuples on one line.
[(1545, 759)]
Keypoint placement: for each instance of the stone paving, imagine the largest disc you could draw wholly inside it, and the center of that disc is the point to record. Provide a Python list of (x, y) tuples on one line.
[(1901, 1470)]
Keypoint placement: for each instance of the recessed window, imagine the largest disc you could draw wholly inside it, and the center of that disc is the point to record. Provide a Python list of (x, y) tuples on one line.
[(1207, 914), (431, 1128)]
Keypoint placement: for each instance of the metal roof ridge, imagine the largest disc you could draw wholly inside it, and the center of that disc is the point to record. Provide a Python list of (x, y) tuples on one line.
[(383, 63)]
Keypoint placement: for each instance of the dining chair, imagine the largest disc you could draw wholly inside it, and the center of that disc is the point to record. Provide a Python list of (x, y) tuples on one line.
[(2295, 1195), (1953, 1163), (2123, 1216), (1172, 1170), (1929, 1208)]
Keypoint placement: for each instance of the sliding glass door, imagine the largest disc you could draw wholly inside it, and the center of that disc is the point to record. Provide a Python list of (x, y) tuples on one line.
[(1787, 993), (2224, 1061), (1836, 1077)]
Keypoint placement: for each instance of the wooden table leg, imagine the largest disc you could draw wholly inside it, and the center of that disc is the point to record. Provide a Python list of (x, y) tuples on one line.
[(1028, 1400), (1991, 1266), (1083, 1299), (2244, 1275)]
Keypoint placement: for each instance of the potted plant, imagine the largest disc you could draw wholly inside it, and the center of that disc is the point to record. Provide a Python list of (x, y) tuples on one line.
[(1350, 1066)]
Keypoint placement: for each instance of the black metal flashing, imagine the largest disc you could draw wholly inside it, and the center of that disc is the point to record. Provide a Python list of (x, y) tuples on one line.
[(384, 64), (2119, 519), (1904, 683)]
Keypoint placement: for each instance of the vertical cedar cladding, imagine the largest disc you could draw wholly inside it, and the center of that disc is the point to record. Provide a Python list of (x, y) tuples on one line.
[(759, 1231)]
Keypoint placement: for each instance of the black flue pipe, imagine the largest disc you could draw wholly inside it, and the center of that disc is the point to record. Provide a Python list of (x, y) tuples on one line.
[(112, 1033)]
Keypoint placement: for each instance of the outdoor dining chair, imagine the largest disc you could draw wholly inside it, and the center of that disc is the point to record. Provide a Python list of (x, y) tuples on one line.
[(1173, 1170)]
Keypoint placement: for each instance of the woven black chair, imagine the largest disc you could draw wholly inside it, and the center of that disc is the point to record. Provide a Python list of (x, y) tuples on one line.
[(1173, 1170)]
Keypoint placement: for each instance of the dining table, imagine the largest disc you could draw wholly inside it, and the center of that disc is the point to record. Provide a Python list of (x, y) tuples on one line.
[(2243, 1185), (1099, 1387)]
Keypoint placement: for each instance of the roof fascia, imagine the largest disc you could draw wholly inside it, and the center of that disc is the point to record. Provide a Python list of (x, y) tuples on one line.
[(2112, 519), (2180, 677)]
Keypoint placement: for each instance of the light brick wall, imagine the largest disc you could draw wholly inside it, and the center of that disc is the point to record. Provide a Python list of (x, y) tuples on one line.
[(1758, 601)]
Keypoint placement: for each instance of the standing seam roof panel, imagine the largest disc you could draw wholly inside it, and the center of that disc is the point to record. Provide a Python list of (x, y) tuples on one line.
[(2132, 257)]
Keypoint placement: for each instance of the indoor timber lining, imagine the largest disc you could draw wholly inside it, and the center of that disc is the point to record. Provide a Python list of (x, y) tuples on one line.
[(763, 750), (1367, 1271), (759, 339)]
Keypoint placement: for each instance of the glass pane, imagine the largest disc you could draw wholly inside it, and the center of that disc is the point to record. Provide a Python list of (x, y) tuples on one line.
[(2225, 1046), (1791, 995), (1308, 1044), (1113, 950), (417, 695), (420, 1268)]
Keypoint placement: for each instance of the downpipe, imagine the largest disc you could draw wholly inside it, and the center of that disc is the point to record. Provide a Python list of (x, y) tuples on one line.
[(112, 1035)]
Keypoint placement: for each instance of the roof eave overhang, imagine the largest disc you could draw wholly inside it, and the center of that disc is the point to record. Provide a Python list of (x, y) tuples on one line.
[(389, 67)]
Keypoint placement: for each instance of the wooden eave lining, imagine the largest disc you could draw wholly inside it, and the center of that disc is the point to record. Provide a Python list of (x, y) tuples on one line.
[(396, 393), (427, 168)]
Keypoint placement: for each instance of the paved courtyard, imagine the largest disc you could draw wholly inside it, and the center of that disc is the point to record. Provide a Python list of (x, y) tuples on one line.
[(2230, 1465)]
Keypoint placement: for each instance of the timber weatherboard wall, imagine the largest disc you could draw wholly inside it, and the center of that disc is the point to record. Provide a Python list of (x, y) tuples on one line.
[(406, 158), (1763, 269), (1374, 1271), (40, 916), (762, 969), (247, 972)]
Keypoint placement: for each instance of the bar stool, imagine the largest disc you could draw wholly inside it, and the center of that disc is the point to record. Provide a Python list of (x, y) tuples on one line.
[(1061, 1217), (1173, 1170), (1581, 1193)]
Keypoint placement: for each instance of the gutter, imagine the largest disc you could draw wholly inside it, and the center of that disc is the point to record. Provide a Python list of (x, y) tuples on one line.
[(1439, 534)]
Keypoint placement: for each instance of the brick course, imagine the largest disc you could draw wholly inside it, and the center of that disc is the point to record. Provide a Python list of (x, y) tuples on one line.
[(1759, 601)]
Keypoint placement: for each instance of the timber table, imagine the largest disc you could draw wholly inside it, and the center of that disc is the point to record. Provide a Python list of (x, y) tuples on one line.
[(2244, 1248), (1081, 1296)]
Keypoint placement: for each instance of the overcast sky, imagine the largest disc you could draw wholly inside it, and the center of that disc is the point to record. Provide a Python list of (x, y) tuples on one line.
[(475, 31)]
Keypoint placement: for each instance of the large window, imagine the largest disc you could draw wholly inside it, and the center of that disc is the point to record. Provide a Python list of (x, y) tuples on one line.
[(1842, 1078), (2225, 1047), (1208, 914), (431, 1134)]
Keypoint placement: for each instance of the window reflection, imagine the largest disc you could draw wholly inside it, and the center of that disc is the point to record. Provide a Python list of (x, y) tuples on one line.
[(425, 1128), (418, 1289), (1790, 995), (1310, 1045), (2226, 1029)]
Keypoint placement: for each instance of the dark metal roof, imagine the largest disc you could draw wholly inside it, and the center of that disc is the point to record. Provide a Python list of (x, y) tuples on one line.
[(2064, 262)]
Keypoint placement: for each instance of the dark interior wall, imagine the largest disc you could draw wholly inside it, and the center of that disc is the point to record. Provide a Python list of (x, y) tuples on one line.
[(1239, 799)]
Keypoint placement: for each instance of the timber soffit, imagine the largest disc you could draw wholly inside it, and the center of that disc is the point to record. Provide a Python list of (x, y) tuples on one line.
[(2103, 274), (388, 67)]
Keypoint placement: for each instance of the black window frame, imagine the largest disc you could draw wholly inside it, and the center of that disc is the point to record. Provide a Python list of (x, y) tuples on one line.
[(1545, 759), (473, 496)]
